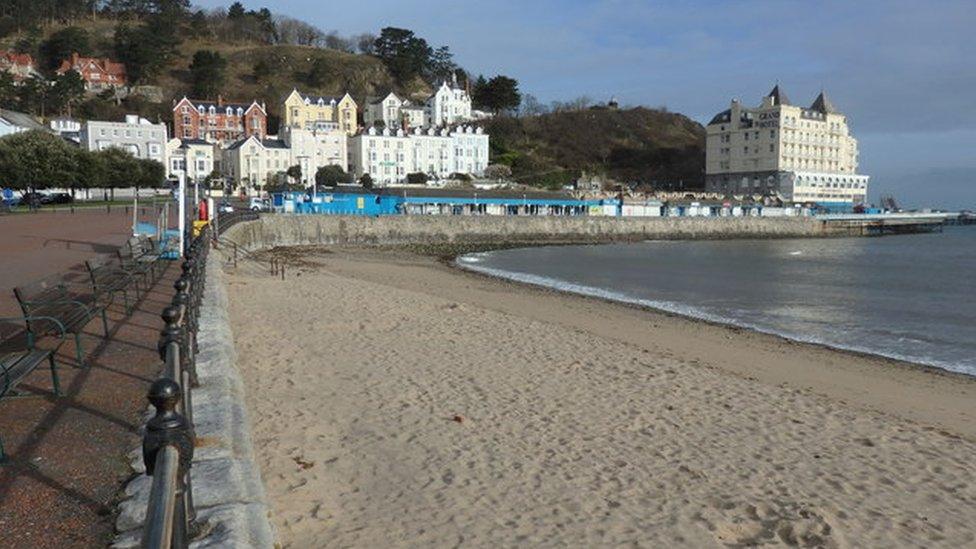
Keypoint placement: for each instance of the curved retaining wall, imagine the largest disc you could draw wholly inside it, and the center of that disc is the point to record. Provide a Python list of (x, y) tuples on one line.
[(291, 230)]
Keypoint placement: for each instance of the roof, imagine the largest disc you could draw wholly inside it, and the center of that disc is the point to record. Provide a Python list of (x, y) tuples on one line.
[(822, 104), (188, 142), (724, 116), (240, 143), (317, 98), (15, 58), (274, 144), (431, 192), (222, 106), (22, 120), (779, 97), (106, 65)]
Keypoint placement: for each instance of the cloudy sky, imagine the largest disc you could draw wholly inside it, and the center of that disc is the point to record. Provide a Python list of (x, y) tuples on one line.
[(903, 71)]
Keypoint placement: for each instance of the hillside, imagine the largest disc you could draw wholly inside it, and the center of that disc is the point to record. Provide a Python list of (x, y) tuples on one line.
[(634, 145)]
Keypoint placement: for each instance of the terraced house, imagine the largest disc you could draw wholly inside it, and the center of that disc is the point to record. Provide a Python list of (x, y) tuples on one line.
[(219, 121), (314, 112)]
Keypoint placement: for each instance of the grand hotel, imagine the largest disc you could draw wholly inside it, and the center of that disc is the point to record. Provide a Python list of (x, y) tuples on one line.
[(801, 154)]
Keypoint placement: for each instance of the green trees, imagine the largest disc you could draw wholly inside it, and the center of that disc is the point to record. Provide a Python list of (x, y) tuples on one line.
[(294, 172), (61, 45), (36, 160), (330, 176), (417, 178), (366, 181), (208, 73), (404, 54), (501, 93)]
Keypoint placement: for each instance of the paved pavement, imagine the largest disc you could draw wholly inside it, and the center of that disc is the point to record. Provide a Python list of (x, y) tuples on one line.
[(67, 456)]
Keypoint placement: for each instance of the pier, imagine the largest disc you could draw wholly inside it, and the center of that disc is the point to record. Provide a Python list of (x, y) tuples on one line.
[(884, 224)]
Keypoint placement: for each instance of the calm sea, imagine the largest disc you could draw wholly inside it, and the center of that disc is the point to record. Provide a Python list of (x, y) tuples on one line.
[(909, 297)]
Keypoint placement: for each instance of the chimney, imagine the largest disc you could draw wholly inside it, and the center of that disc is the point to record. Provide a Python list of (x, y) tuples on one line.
[(220, 100)]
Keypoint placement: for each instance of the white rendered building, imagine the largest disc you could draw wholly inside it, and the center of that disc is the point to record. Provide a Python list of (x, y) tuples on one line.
[(254, 162), (801, 154), (195, 159), (138, 136), (394, 112), (389, 156), (449, 105)]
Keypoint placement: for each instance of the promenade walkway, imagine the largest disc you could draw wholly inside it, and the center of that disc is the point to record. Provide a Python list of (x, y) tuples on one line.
[(67, 455)]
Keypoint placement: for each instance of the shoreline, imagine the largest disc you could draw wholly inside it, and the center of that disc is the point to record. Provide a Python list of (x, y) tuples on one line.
[(444, 256), (454, 263), (399, 400)]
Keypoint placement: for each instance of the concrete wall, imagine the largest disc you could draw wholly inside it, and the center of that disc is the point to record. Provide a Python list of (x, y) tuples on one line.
[(290, 230)]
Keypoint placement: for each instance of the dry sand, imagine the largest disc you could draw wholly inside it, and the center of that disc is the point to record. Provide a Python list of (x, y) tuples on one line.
[(397, 402)]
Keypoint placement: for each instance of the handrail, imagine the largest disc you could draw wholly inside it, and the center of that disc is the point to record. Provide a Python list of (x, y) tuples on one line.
[(168, 440), (160, 514)]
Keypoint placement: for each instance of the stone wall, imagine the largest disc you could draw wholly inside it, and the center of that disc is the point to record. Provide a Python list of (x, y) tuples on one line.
[(227, 490), (290, 230)]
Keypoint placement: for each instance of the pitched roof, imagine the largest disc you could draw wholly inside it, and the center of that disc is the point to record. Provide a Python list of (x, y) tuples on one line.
[(315, 98), (22, 120), (779, 97), (822, 104), (219, 107), (106, 65), (15, 58), (240, 143), (274, 144), (724, 116)]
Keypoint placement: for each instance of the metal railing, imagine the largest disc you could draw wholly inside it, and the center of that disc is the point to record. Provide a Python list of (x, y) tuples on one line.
[(167, 446), (224, 221)]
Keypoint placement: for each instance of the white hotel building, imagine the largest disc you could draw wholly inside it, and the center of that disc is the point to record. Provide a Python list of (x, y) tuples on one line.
[(801, 154), (389, 156)]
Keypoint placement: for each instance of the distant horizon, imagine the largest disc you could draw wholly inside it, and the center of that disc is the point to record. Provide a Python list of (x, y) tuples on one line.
[(901, 71)]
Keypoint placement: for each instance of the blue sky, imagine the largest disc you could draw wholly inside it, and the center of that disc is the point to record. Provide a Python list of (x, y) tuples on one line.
[(903, 71)]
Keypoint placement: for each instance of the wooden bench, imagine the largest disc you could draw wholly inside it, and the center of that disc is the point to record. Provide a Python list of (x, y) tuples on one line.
[(50, 299), (109, 278), (16, 365)]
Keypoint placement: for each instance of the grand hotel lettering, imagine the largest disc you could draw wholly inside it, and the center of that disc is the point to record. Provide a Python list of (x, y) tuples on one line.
[(768, 120)]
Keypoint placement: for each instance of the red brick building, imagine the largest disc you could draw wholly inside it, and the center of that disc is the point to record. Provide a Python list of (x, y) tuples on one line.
[(219, 121), (98, 74), (20, 65)]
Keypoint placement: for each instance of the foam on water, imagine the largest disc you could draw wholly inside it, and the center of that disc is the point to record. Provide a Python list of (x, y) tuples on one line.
[(892, 343)]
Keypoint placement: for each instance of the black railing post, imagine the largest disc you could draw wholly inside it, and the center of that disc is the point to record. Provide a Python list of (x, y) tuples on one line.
[(168, 428)]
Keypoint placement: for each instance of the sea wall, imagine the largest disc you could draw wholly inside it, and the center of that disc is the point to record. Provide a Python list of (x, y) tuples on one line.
[(291, 230), (228, 493)]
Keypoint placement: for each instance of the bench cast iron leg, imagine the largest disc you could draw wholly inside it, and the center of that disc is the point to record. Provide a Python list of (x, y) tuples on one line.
[(78, 350), (54, 375)]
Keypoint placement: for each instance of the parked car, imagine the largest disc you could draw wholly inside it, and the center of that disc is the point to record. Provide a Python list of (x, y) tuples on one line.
[(33, 198), (225, 207), (260, 204), (58, 198)]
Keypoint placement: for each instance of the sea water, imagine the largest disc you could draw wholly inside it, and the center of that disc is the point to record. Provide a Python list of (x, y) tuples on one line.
[(910, 297)]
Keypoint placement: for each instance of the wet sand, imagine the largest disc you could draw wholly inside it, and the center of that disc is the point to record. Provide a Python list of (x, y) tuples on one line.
[(396, 401)]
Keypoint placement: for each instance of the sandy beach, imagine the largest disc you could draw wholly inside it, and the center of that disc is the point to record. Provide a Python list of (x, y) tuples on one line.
[(398, 402)]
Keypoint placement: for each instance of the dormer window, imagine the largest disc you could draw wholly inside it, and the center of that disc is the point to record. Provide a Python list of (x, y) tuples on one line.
[(229, 111), (320, 102), (240, 111), (213, 110), (200, 109)]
